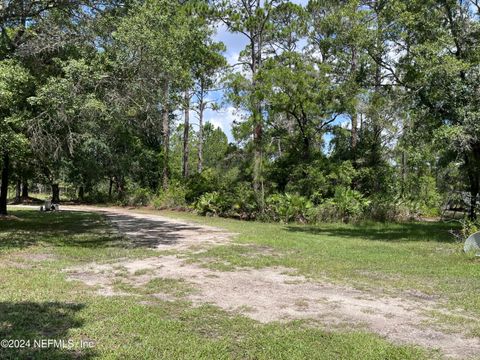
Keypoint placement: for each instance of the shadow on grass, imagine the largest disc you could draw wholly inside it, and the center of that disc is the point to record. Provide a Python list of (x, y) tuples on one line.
[(56, 228), (432, 231), (31, 321), (88, 230), (149, 233)]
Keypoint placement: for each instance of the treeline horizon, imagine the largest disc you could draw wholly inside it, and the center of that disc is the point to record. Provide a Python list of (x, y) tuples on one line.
[(98, 95)]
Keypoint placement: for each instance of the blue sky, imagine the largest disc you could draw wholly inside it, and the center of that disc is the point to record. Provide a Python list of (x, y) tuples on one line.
[(234, 44), (224, 117)]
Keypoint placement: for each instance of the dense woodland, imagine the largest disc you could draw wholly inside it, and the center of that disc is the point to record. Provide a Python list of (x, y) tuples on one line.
[(349, 109)]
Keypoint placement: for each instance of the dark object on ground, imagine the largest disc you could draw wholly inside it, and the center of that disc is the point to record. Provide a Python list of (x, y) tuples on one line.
[(49, 206)]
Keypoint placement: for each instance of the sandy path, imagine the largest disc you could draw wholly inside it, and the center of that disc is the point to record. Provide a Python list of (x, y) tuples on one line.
[(159, 232), (269, 294)]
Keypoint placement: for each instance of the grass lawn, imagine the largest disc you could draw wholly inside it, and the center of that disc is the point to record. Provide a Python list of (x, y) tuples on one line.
[(413, 258), (36, 300)]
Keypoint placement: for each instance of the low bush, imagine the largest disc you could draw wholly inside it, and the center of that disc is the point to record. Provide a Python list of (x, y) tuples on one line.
[(346, 205), (96, 197), (138, 197), (172, 198), (288, 207), (239, 202), (199, 184), (242, 202), (469, 227), (421, 197), (212, 204), (388, 209)]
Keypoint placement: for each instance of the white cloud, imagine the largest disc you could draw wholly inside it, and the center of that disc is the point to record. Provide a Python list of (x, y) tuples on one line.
[(235, 43), (224, 119), (346, 123), (232, 57)]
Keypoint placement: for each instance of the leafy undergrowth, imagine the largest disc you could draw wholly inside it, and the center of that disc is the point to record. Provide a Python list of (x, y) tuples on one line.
[(37, 302)]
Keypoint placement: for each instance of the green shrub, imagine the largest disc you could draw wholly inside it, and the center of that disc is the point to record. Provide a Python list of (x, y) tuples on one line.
[(420, 197), (469, 227), (307, 180), (423, 197), (212, 203), (242, 202), (342, 175), (288, 207), (139, 197), (172, 198), (388, 209), (346, 205), (199, 184), (97, 197), (237, 203)]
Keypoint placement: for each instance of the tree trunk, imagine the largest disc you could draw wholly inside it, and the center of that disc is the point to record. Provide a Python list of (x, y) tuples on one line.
[(258, 130), (256, 44), (166, 135), (353, 115), (55, 193), (25, 189), (81, 193), (474, 189), (110, 186), (200, 137), (404, 172), (472, 162), (279, 147), (4, 184), (186, 132), (354, 134), (353, 143), (306, 148), (120, 184), (18, 191), (257, 165), (376, 128), (377, 57)]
